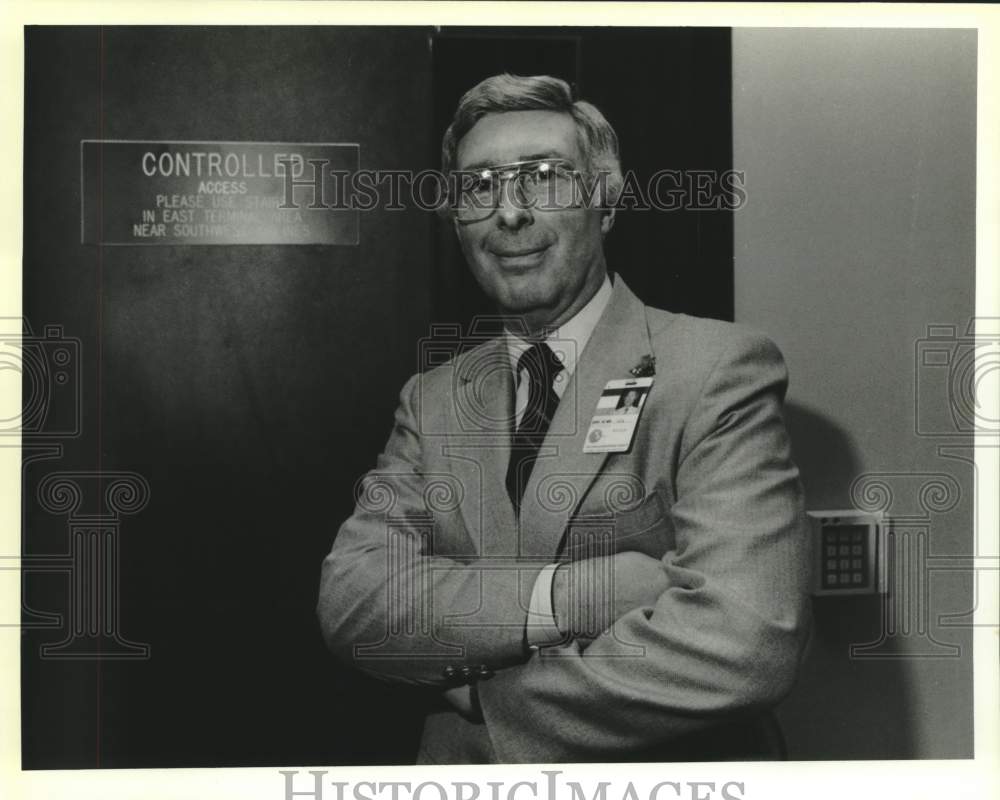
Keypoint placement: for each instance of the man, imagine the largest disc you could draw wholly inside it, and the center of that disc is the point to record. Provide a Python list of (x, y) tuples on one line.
[(646, 601), (629, 403)]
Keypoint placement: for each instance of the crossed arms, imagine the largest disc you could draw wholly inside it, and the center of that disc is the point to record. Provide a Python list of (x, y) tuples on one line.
[(711, 630)]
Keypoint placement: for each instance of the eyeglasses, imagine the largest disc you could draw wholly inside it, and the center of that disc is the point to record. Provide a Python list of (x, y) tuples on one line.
[(547, 183)]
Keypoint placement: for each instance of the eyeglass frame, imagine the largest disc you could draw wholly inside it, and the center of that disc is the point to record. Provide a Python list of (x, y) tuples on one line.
[(508, 172)]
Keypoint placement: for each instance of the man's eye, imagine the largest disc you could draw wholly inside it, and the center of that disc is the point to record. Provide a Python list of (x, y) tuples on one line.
[(544, 172), (482, 183), (548, 171)]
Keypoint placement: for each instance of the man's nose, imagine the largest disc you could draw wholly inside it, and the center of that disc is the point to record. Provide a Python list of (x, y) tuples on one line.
[(512, 210)]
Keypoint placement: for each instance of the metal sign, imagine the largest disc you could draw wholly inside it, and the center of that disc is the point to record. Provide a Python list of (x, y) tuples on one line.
[(200, 193)]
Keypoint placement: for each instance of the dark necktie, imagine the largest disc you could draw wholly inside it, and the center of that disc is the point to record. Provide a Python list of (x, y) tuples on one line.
[(542, 367)]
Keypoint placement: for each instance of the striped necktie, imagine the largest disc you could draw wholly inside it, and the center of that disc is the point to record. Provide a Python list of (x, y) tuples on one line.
[(542, 367)]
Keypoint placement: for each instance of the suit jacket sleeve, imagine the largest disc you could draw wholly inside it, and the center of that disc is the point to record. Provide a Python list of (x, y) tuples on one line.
[(726, 638), (388, 605)]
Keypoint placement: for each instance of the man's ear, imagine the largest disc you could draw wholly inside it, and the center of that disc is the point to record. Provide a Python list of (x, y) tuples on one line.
[(607, 220)]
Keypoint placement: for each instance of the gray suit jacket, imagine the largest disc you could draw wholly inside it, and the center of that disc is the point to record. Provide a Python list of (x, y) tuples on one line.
[(433, 571)]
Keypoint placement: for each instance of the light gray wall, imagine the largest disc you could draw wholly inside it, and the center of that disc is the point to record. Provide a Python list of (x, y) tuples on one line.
[(859, 152)]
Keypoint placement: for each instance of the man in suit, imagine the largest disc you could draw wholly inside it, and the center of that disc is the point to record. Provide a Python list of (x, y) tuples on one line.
[(566, 603)]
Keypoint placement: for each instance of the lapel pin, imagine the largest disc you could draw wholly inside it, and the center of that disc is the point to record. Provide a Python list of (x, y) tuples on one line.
[(645, 368)]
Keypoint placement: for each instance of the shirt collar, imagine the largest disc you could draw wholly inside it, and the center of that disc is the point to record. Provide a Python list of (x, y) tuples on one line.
[(571, 337)]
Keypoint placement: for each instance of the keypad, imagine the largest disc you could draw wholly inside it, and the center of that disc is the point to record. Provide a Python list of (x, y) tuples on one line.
[(845, 557)]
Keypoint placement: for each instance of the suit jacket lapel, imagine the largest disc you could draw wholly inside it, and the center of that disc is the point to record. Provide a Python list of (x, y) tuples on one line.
[(479, 415), (564, 473)]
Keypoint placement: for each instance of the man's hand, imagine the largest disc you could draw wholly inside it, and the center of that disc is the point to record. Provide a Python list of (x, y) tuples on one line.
[(589, 595)]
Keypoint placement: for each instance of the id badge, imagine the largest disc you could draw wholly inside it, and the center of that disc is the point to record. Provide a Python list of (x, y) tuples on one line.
[(617, 415)]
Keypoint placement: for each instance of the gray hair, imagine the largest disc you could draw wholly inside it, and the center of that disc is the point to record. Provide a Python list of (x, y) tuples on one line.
[(506, 92)]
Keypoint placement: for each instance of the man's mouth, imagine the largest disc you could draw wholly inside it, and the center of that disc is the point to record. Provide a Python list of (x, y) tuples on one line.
[(504, 252)]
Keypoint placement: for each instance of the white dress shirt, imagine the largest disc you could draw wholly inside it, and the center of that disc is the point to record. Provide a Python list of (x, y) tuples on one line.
[(567, 342)]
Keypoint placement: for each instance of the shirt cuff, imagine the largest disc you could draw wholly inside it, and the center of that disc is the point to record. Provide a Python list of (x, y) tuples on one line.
[(540, 627)]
